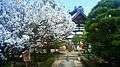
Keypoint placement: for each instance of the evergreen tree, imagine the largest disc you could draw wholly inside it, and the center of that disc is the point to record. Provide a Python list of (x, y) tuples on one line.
[(103, 29)]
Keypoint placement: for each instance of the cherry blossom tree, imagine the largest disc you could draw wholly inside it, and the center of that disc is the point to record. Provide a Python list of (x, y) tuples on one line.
[(12, 26), (25, 22), (46, 18)]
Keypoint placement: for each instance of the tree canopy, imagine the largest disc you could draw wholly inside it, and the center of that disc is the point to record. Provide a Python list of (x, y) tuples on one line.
[(25, 22), (103, 28)]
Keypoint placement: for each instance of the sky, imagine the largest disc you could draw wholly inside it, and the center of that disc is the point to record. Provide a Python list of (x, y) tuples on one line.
[(86, 4)]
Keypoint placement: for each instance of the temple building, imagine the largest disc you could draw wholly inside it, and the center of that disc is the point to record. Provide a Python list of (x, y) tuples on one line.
[(79, 18)]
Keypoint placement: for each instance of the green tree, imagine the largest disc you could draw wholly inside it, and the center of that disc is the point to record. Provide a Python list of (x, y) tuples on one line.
[(57, 44), (103, 29), (76, 40)]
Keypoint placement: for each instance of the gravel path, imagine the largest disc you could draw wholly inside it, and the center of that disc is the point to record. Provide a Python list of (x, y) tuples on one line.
[(68, 59)]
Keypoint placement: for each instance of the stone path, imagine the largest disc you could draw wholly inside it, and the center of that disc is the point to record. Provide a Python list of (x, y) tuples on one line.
[(68, 59)]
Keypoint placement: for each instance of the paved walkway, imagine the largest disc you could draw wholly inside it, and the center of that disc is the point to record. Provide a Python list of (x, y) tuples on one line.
[(68, 59)]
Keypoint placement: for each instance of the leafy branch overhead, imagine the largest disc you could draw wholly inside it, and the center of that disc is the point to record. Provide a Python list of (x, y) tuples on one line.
[(103, 28)]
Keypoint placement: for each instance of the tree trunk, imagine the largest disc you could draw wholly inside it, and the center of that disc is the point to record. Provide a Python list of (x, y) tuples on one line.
[(55, 49), (14, 63), (48, 51), (34, 58)]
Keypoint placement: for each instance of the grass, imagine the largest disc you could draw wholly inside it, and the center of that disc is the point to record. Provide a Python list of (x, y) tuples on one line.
[(49, 62), (87, 62), (43, 60)]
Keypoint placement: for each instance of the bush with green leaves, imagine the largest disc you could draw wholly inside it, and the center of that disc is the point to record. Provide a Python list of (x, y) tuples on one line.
[(103, 29)]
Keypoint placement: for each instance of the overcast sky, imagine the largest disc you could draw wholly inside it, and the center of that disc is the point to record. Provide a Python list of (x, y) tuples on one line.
[(86, 4)]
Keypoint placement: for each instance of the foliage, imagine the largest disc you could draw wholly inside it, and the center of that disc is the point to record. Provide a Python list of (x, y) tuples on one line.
[(70, 49), (58, 44), (87, 62), (97, 11), (84, 37), (49, 61), (76, 39), (103, 27)]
